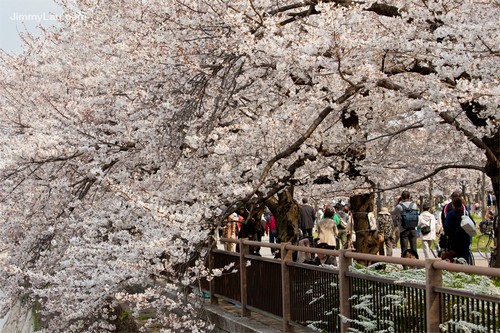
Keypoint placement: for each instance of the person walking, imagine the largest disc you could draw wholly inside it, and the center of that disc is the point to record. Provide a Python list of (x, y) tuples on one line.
[(406, 214), (447, 208), (272, 230), (395, 224), (491, 201), (351, 234), (307, 217), (427, 225), (327, 230), (230, 230), (344, 216), (458, 240), (385, 232)]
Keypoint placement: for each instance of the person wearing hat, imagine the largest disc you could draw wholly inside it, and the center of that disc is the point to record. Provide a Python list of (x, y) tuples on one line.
[(427, 225), (385, 232)]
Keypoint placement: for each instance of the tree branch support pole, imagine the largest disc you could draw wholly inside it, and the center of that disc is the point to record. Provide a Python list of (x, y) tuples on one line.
[(484, 208), (431, 197), (434, 278), (286, 257), (244, 250), (344, 290), (379, 198)]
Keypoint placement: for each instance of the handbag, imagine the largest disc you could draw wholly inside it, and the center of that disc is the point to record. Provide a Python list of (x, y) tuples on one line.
[(425, 230), (468, 225)]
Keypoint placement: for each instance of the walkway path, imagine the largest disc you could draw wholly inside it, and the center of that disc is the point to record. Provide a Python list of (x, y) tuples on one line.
[(266, 252)]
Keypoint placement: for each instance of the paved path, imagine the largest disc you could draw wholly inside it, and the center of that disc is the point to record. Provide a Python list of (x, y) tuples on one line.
[(266, 252)]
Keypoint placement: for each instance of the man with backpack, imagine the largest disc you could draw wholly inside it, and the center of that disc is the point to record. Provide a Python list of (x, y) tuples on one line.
[(406, 214)]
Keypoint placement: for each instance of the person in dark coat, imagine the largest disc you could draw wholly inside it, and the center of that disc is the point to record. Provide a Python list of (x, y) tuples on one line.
[(458, 240), (307, 218)]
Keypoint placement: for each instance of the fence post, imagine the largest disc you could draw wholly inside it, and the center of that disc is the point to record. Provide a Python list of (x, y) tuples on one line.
[(433, 278), (286, 256), (344, 290), (244, 250), (211, 264)]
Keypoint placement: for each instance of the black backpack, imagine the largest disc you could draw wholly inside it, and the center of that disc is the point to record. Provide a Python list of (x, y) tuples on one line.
[(409, 216)]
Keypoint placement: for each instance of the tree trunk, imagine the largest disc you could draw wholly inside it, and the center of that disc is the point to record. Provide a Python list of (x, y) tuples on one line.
[(494, 174), (361, 205), (493, 171), (286, 212)]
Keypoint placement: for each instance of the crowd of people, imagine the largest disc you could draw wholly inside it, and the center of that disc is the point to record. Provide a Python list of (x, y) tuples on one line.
[(332, 227), (443, 228)]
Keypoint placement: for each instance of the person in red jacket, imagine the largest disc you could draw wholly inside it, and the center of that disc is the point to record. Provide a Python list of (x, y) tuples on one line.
[(272, 230)]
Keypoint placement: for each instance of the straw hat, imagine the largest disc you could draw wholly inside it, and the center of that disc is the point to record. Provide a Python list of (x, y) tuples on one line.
[(384, 211)]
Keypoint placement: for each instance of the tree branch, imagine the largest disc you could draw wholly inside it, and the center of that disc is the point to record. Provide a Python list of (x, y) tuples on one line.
[(57, 159), (351, 91), (388, 84), (435, 172), (490, 155)]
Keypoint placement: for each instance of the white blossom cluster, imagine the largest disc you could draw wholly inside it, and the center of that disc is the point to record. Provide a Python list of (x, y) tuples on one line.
[(128, 132)]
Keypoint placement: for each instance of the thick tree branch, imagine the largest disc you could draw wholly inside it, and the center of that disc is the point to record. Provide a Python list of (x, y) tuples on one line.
[(388, 84), (351, 91), (490, 155), (435, 172), (296, 5), (298, 143)]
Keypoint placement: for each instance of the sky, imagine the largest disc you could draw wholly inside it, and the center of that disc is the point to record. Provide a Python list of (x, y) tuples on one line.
[(24, 15)]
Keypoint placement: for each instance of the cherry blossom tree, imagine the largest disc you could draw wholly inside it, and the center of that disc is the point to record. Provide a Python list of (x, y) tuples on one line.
[(135, 127)]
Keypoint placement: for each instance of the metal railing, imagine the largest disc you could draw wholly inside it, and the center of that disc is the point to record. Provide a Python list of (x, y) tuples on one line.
[(314, 296), (334, 299)]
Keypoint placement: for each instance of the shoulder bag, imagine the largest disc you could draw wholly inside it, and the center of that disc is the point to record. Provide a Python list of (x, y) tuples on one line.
[(468, 225)]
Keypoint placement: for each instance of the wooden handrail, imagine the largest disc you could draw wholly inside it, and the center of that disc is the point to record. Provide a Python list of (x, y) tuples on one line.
[(447, 266), (392, 260), (373, 257), (433, 284)]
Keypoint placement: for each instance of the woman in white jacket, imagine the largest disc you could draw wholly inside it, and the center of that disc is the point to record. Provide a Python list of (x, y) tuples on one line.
[(327, 230), (327, 233), (427, 225)]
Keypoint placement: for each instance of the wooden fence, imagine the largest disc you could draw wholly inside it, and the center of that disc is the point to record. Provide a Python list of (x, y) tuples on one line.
[(334, 299)]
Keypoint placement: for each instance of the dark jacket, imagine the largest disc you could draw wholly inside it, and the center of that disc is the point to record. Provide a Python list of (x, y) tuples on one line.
[(307, 217), (459, 240)]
